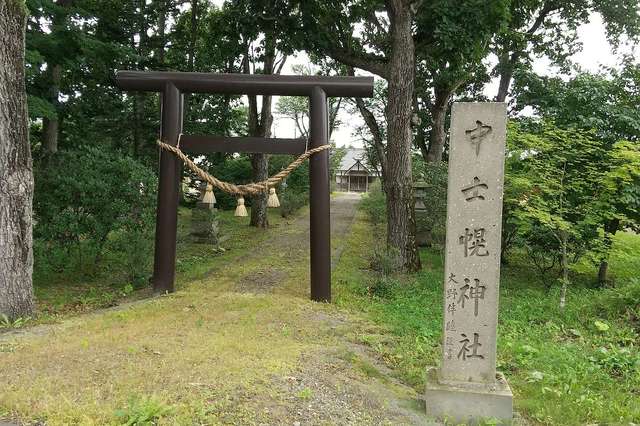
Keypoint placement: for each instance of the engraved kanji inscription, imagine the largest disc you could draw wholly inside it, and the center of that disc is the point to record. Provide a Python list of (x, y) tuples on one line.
[(473, 292), (450, 325), (474, 191), (478, 134), (473, 347), (474, 242)]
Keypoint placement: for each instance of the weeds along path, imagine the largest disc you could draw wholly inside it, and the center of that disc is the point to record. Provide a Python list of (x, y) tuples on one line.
[(243, 345)]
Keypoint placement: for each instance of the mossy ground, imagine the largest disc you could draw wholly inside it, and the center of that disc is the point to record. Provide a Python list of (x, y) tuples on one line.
[(240, 343), (214, 352)]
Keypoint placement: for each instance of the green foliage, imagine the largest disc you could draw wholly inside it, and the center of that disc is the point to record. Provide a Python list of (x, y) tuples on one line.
[(606, 103), (291, 201), (143, 411), (5, 322), (433, 180), (89, 199), (560, 188), (546, 354), (374, 204)]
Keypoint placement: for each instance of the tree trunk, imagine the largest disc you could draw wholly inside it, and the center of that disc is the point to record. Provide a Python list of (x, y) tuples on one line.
[(564, 263), (610, 229), (505, 82), (401, 223), (438, 132), (162, 28), (261, 126), (194, 34), (260, 164), (16, 171), (506, 65), (51, 124)]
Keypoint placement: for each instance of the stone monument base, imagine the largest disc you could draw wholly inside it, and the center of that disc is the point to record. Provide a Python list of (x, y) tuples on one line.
[(468, 403)]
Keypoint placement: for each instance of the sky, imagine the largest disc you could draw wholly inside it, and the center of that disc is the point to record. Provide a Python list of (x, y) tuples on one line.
[(596, 53)]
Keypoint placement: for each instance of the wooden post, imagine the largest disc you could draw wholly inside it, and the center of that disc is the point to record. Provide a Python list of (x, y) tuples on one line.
[(173, 84), (164, 262), (319, 199)]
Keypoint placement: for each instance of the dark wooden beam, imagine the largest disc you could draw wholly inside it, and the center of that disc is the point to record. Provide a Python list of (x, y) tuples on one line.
[(244, 84), (196, 144)]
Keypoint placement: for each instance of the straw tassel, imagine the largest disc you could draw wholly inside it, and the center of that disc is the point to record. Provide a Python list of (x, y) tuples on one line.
[(241, 210), (209, 197), (273, 201)]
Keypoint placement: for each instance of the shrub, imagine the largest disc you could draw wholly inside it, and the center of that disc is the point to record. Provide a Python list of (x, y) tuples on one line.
[(291, 201), (85, 196), (433, 219), (374, 204)]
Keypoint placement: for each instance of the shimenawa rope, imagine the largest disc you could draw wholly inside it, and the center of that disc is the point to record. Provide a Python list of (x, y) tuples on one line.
[(250, 188)]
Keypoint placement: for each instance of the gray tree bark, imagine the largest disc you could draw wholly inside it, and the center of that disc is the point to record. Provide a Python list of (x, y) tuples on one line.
[(260, 125), (16, 170), (51, 125), (438, 132), (401, 223)]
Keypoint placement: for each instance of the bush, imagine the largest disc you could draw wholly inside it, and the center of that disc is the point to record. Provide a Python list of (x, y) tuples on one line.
[(431, 222), (291, 201), (86, 198), (374, 204)]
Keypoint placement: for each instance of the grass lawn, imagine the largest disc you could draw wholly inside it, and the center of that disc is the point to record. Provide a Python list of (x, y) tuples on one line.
[(574, 367), (80, 290), (215, 353), (238, 343)]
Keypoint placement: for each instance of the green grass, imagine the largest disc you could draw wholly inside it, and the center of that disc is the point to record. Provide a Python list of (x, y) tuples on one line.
[(563, 367), (206, 354), (86, 288), (576, 366)]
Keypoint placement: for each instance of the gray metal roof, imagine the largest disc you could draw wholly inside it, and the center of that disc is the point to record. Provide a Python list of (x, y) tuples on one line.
[(351, 156)]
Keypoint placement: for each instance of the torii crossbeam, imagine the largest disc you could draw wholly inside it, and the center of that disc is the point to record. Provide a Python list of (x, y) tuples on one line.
[(173, 85)]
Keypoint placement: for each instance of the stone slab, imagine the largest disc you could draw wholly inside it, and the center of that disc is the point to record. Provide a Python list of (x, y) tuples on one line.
[(474, 222), (469, 404)]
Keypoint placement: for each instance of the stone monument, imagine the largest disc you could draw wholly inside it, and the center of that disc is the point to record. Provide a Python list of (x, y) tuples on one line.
[(204, 219), (466, 388)]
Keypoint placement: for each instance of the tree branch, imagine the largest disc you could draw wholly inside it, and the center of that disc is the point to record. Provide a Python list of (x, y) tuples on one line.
[(375, 64), (544, 12)]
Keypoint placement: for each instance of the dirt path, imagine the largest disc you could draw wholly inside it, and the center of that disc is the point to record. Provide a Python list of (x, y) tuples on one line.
[(242, 346)]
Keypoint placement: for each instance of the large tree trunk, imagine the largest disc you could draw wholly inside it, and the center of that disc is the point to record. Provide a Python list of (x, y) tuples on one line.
[(260, 125), (16, 173), (503, 88), (51, 126), (438, 133), (260, 162), (401, 224), (506, 66)]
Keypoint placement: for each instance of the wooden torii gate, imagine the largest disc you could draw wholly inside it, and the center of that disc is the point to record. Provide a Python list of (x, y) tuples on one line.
[(173, 85)]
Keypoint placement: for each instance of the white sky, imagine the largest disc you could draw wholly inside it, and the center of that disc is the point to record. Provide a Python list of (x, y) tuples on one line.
[(596, 53)]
